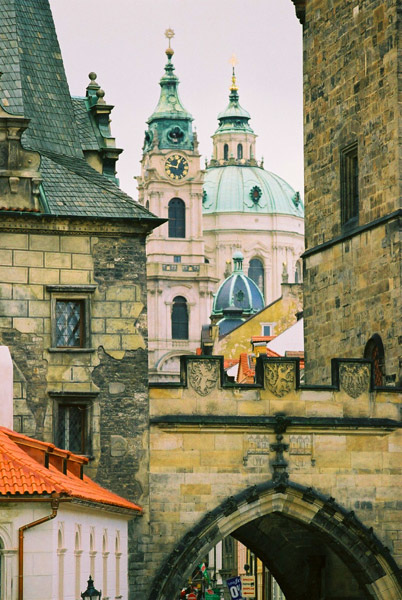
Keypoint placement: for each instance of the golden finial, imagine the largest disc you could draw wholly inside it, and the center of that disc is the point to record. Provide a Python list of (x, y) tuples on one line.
[(233, 61), (169, 34)]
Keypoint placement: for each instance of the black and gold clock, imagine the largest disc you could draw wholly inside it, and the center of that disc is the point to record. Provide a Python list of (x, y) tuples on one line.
[(176, 166)]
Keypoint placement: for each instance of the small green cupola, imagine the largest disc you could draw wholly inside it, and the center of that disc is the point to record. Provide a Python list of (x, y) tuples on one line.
[(234, 140), (170, 125)]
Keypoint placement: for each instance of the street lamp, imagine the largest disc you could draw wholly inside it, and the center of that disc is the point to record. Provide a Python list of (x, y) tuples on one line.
[(91, 593)]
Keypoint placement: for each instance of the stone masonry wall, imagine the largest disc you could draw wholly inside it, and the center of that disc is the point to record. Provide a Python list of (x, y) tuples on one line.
[(210, 442), (351, 94)]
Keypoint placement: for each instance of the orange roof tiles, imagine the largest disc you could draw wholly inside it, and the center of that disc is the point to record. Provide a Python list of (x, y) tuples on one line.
[(22, 474), (230, 362), (262, 338)]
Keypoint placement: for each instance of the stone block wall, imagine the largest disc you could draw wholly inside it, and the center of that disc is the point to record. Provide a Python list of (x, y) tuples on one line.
[(210, 441), (351, 78), (104, 264)]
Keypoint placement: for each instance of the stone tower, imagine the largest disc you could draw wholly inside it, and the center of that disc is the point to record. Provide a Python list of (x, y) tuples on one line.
[(353, 175), (180, 284)]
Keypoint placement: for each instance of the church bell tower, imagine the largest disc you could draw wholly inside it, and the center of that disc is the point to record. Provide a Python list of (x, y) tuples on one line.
[(180, 284)]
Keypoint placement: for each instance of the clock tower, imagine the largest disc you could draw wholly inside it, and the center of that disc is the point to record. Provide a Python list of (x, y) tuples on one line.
[(180, 280)]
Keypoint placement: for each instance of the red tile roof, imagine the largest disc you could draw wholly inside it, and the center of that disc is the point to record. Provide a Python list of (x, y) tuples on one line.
[(262, 338), (230, 362), (23, 471)]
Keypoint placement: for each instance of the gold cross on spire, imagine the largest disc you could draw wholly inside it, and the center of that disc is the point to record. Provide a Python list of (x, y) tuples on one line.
[(169, 33), (233, 61)]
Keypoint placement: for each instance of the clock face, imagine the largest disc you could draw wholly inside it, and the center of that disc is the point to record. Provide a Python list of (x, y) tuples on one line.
[(176, 167)]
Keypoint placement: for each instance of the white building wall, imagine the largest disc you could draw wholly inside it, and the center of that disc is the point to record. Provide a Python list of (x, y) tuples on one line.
[(46, 564)]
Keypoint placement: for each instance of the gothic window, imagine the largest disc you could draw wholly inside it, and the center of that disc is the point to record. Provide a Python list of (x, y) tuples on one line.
[(239, 151), (349, 169), (374, 351), (225, 152), (256, 273), (177, 218), (179, 319)]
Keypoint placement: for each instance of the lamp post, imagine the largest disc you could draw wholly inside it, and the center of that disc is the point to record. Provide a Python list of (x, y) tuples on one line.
[(91, 593)]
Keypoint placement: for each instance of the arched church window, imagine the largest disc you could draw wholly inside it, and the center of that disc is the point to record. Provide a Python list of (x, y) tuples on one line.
[(256, 272), (177, 218), (179, 319), (298, 271), (239, 151), (225, 152), (374, 351)]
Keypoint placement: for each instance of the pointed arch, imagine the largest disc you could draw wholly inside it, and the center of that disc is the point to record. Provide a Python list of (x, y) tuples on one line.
[(358, 547), (374, 350)]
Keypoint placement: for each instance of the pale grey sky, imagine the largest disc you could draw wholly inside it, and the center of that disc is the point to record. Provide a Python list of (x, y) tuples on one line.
[(123, 42)]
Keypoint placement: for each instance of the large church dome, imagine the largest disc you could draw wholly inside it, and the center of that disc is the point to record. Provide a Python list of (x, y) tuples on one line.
[(241, 188)]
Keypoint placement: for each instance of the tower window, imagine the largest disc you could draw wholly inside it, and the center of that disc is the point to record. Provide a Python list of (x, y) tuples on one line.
[(72, 427), (225, 152), (349, 186), (374, 351), (239, 151), (179, 319), (256, 273), (177, 218)]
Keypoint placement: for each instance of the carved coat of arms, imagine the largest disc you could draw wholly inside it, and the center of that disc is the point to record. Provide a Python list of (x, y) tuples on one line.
[(203, 376), (280, 378), (354, 378)]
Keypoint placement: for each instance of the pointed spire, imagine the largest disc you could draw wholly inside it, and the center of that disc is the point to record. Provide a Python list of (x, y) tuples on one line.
[(234, 96)]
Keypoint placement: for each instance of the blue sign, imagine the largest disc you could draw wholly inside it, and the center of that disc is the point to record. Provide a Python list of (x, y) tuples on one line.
[(234, 585)]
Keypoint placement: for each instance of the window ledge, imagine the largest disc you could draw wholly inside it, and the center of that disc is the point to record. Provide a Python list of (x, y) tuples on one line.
[(72, 350)]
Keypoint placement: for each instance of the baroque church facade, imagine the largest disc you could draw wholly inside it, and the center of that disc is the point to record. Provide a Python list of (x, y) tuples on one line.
[(232, 205)]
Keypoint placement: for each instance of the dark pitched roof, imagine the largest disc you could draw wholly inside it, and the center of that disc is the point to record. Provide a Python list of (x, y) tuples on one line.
[(34, 82), (34, 85), (72, 187), (86, 127)]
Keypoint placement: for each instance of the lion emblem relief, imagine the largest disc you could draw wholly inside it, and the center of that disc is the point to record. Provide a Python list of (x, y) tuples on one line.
[(203, 376), (280, 378)]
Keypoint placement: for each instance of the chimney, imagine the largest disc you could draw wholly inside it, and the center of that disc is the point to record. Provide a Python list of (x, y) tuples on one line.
[(6, 388)]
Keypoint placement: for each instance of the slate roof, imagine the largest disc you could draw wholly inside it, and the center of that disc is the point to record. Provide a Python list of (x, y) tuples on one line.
[(85, 125), (23, 472), (34, 85)]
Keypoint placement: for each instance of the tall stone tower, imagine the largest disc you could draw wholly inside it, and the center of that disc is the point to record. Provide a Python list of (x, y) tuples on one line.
[(353, 175), (180, 284)]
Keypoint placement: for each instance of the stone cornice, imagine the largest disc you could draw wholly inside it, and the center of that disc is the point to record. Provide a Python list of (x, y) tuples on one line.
[(22, 222)]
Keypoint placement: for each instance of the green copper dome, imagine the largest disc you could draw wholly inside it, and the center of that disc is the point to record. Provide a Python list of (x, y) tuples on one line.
[(237, 292), (169, 126), (238, 188)]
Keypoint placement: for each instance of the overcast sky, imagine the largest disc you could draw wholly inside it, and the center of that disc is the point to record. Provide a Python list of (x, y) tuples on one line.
[(123, 42)]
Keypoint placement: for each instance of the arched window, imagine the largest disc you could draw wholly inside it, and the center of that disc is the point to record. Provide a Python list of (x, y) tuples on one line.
[(225, 152), (298, 271), (60, 553), (105, 554), (77, 553), (239, 151), (256, 272), (117, 557), (177, 218), (251, 151), (374, 351), (179, 319), (92, 554)]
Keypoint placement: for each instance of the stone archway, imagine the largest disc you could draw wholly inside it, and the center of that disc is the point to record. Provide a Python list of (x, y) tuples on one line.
[(317, 521)]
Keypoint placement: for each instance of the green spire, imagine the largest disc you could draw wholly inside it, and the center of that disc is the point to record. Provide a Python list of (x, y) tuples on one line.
[(234, 117), (170, 124)]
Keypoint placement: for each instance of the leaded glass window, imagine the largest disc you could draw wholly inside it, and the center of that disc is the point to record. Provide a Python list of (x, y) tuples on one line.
[(71, 427), (69, 323), (179, 319)]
